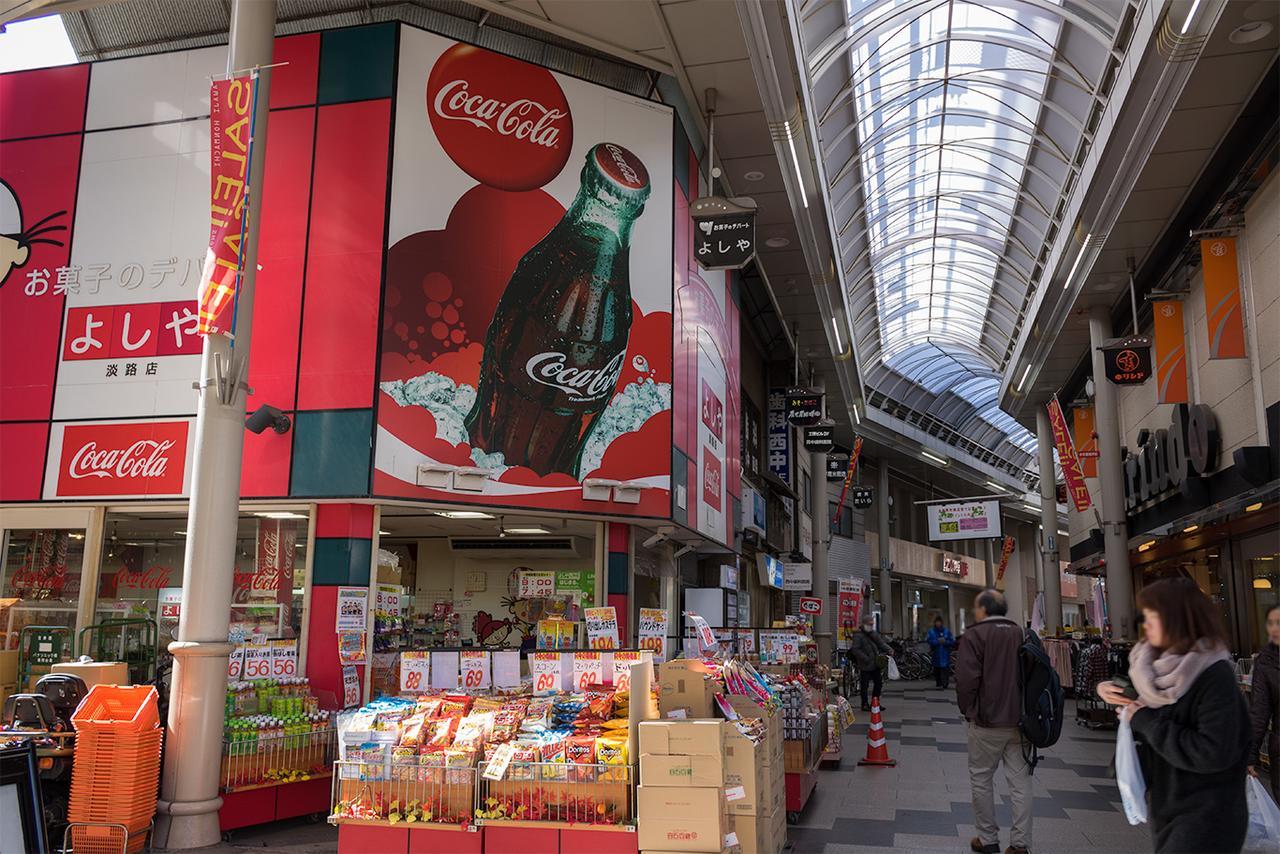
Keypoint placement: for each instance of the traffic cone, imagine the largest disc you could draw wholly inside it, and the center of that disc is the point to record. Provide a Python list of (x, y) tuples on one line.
[(877, 750)]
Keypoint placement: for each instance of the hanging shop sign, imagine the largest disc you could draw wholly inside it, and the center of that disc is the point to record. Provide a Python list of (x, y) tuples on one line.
[(1173, 458), (753, 511), (964, 520), (1005, 552), (1127, 361), (1225, 321), (837, 463), (804, 407), (1086, 443), (848, 479), (797, 576), (1072, 472), (724, 232), (820, 438), (862, 497), (772, 571), (811, 605), (779, 436), (1170, 351)]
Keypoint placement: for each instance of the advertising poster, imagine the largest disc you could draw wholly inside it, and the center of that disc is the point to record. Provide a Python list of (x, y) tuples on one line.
[(964, 520), (602, 628), (651, 633), (352, 602), (523, 337)]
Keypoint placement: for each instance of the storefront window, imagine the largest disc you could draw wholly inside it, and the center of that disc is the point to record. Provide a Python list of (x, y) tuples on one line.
[(1264, 574), (41, 580), (1205, 566), (143, 570)]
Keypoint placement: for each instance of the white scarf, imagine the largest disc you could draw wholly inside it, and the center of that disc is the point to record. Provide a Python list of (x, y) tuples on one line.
[(1162, 678)]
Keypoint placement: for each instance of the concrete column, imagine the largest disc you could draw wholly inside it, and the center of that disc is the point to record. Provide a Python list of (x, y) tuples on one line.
[(886, 581), (1051, 580), (1015, 591), (187, 813), (1111, 476), (821, 544), (990, 579)]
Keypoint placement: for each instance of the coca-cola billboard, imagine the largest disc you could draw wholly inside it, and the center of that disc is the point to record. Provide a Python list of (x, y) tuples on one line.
[(142, 459), (527, 310)]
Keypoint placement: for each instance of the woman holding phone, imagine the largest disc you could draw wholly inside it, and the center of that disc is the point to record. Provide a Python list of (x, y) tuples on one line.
[(1189, 720)]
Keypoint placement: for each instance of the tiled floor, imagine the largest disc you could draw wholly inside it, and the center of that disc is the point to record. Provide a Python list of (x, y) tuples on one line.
[(923, 803)]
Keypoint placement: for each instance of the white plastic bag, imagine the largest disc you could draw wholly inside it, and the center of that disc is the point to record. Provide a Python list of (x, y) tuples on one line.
[(1264, 819), (1133, 788), (894, 675)]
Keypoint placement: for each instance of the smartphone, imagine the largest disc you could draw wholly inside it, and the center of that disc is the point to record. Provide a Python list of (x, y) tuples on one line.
[(1126, 686)]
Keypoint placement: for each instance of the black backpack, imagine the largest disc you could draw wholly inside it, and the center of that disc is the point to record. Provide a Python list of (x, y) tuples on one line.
[(1042, 698)]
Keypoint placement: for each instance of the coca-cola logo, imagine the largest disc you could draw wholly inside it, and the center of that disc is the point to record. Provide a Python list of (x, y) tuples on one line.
[(151, 578), (504, 122), (582, 385), (123, 459)]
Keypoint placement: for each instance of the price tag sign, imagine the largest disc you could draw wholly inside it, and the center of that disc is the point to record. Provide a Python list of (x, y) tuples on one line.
[(652, 631), (602, 628), (746, 642), (536, 585), (545, 668), (789, 649), (622, 662), (587, 670), (350, 687), (284, 659), (352, 602), (496, 767), (475, 668), (235, 664), (257, 661), (506, 669), (415, 672), (705, 636), (444, 670)]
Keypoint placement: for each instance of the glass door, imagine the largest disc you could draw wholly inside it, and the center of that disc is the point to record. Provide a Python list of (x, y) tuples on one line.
[(40, 579), (1260, 557)]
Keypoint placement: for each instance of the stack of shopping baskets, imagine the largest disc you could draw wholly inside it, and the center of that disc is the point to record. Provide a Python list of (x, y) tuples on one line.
[(117, 769)]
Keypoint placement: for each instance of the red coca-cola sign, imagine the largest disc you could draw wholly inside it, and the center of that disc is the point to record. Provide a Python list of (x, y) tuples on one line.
[(146, 458), (504, 122)]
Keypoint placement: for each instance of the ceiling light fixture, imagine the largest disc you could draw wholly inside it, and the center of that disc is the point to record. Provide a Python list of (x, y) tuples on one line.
[(942, 461), (835, 327), (795, 162), (753, 175), (281, 514), (1186, 25), (382, 533), (1023, 381), (995, 486), (1080, 255), (463, 514), (857, 419), (1262, 584), (1146, 546), (181, 533), (1190, 529), (777, 242), (1250, 32), (527, 529), (1257, 505)]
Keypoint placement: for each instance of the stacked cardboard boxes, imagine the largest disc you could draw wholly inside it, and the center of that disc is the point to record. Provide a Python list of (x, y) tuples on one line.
[(681, 800), (757, 813), (688, 690)]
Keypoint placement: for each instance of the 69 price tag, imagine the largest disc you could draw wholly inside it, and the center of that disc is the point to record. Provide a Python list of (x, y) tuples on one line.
[(475, 668), (545, 669)]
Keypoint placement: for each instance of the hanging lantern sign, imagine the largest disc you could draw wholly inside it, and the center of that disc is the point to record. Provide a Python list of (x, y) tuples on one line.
[(1128, 360), (724, 232)]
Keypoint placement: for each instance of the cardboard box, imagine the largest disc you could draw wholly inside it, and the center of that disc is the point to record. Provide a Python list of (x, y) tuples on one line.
[(96, 672), (703, 770), (8, 667), (681, 818), (686, 689), (746, 708), (756, 834), (682, 738), (745, 768)]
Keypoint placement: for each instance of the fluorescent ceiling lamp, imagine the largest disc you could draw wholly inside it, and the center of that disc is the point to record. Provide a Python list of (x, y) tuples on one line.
[(382, 533), (1252, 507), (795, 161), (1190, 529), (857, 419), (526, 529), (995, 486), (463, 514), (1023, 381), (942, 461), (281, 514), (1079, 256), (1034, 508), (835, 327), (181, 533), (1186, 25)]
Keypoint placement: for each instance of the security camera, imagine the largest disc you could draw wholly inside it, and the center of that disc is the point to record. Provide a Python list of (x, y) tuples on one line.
[(662, 536), (267, 416)]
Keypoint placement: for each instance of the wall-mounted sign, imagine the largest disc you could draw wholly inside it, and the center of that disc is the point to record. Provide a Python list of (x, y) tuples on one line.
[(772, 572), (964, 520), (862, 497), (804, 407), (1072, 470), (724, 232), (811, 605), (797, 576), (753, 511), (953, 565), (1174, 457), (1128, 361), (820, 438), (779, 436)]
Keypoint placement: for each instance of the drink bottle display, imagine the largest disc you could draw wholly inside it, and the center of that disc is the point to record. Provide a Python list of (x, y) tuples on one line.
[(558, 339)]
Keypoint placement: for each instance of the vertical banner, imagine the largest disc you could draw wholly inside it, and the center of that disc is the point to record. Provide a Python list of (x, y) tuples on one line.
[(1223, 316), (1171, 352), (848, 477), (1067, 458), (1005, 552), (1086, 440), (231, 105), (848, 611)]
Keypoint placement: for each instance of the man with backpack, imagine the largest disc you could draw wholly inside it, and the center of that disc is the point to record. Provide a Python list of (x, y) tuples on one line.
[(991, 669)]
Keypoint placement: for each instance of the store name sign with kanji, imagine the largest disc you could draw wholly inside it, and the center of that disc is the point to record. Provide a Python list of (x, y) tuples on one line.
[(724, 232), (804, 407)]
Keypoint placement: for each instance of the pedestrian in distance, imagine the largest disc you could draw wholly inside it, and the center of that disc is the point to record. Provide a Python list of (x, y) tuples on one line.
[(1190, 721), (867, 647), (1264, 707), (990, 698), (940, 645)]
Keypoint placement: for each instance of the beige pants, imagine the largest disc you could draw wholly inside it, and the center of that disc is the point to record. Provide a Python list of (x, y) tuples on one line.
[(987, 747)]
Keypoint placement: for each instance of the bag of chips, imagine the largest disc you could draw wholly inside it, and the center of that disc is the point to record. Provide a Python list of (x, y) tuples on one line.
[(580, 753)]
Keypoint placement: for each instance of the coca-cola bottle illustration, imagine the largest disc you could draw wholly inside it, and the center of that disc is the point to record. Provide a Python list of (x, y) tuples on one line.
[(558, 338)]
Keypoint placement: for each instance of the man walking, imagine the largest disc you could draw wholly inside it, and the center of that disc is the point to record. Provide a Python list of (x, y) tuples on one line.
[(989, 698), (940, 644), (867, 647)]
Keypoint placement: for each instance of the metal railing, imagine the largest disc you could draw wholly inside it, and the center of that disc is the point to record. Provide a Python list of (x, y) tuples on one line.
[(249, 761), (567, 793), (427, 791)]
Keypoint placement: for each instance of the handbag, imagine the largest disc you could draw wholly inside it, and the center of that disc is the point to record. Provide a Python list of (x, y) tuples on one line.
[(1133, 788)]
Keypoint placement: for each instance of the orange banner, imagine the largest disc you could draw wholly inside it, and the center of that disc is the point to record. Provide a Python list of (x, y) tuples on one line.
[(1086, 440), (1171, 352), (230, 119), (1004, 558), (1222, 298), (1071, 470)]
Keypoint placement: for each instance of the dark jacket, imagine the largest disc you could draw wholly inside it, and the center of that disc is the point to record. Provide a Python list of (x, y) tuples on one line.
[(987, 673), (867, 647), (1265, 706), (940, 642), (1193, 759)]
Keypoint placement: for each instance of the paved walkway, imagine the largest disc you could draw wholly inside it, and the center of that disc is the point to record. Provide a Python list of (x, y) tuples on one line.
[(924, 803)]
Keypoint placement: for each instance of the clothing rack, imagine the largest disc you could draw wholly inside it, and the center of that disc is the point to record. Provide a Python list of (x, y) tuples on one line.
[(1096, 660)]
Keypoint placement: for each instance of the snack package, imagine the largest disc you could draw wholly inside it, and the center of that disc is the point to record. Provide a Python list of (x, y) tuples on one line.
[(442, 731), (431, 765), (454, 705), (458, 766), (404, 763), (580, 755), (411, 731), (373, 759), (470, 735), (485, 704), (524, 761), (506, 722), (611, 749), (428, 707)]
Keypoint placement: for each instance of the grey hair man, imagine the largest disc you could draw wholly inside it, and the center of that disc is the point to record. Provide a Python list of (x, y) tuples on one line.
[(867, 647)]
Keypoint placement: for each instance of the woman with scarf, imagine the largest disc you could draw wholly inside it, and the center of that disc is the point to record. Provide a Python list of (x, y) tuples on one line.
[(1190, 721)]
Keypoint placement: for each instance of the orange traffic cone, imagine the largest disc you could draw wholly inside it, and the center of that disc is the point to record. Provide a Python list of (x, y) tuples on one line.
[(877, 750)]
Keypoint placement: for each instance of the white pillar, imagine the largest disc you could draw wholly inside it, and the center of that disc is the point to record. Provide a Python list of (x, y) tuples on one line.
[(1111, 475), (1015, 591), (882, 520), (187, 813), (1051, 579)]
